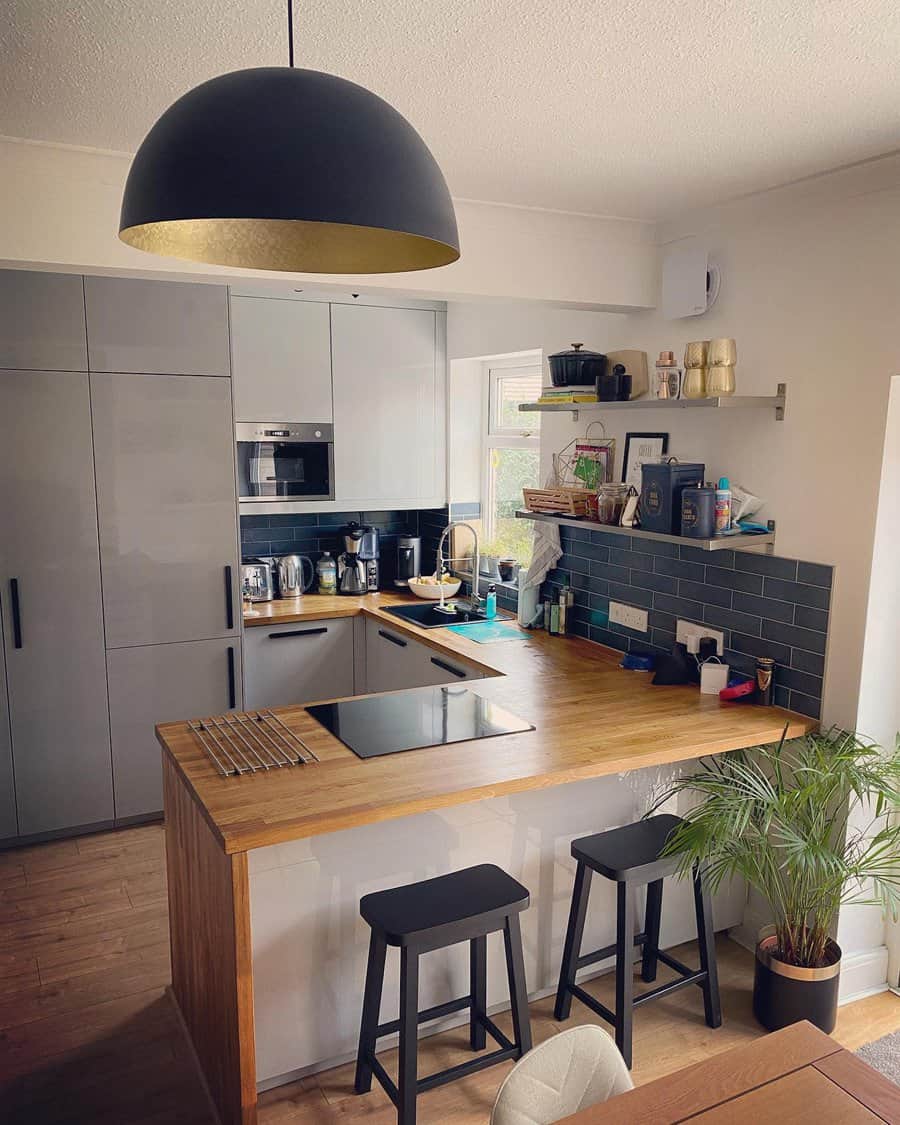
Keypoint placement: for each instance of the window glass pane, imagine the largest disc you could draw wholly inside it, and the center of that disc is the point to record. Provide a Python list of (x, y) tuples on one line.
[(511, 470), (509, 391)]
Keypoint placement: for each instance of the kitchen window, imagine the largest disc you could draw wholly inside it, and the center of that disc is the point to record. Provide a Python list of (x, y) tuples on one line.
[(512, 459)]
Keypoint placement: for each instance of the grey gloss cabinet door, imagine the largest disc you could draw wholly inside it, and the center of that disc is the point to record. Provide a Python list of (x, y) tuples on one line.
[(280, 360), (161, 684), (56, 668), (158, 327), (298, 663), (164, 455), (395, 661), (42, 321), (8, 822), (388, 404)]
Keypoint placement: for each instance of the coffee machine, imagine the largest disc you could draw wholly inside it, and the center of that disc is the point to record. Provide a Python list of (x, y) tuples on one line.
[(370, 553), (351, 568), (409, 559)]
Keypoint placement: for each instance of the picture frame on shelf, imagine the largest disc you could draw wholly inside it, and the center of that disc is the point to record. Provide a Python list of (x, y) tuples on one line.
[(641, 448)]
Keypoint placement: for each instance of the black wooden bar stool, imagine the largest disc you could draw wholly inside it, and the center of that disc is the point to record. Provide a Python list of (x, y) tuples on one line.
[(631, 856), (463, 906)]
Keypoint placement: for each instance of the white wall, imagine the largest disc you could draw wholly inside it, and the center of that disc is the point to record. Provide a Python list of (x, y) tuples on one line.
[(879, 700), (60, 206), (810, 288)]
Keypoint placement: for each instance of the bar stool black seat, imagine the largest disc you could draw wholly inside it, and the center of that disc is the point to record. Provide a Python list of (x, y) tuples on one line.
[(631, 856), (465, 905)]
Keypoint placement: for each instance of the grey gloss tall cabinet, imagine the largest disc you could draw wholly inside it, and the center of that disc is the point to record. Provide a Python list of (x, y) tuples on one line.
[(164, 458), (118, 525), (55, 664), (168, 546), (54, 728)]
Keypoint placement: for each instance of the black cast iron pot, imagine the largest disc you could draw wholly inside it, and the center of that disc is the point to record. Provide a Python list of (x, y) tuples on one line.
[(784, 994), (576, 367)]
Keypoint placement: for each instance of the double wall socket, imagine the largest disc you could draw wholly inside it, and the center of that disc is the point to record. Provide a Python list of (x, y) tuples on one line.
[(689, 634), (628, 615)]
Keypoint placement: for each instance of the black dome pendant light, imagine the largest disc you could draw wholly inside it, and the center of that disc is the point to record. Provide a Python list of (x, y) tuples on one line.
[(280, 168)]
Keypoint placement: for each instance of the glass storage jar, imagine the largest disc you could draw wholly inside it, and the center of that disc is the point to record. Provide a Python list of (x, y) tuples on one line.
[(610, 502)]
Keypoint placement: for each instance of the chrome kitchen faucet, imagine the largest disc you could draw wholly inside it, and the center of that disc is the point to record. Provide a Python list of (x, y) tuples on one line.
[(474, 599)]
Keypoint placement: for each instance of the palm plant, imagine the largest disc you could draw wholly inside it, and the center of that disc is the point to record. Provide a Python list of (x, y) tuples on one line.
[(783, 818)]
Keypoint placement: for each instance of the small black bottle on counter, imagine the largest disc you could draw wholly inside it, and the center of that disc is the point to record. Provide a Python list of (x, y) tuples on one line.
[(624, 382), (765, 678)]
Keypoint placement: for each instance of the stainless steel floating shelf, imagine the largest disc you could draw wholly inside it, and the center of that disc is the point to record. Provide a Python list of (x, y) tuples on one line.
[(761, 543), (776, 402)]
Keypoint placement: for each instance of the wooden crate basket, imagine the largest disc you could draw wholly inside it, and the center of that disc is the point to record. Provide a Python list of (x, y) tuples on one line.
[(558, 501)]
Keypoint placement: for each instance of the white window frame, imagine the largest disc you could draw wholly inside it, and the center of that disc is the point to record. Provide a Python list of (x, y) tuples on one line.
[(502, 437)]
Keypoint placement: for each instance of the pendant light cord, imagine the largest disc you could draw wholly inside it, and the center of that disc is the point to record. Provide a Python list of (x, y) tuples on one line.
[(290, 10)]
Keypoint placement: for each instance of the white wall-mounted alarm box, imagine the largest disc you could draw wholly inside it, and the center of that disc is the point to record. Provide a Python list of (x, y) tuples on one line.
[(690, 281)]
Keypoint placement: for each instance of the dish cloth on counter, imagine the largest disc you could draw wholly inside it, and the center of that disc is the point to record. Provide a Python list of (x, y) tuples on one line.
[(546, 554), (486, 632)]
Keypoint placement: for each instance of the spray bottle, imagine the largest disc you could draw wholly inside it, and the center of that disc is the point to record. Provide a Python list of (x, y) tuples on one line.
[(723, 506)]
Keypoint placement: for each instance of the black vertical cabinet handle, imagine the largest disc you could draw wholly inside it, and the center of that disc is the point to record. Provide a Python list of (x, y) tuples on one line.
[(229, 600), (232, 701), (16, 615)]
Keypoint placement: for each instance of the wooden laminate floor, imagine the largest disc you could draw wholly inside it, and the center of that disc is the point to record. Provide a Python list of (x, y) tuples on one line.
[(88, 1033)]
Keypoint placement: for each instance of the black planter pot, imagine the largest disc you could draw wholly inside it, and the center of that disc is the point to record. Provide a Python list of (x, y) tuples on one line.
[(784, 994)]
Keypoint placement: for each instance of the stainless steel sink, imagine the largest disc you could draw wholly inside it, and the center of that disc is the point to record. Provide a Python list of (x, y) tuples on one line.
[(428, 616)]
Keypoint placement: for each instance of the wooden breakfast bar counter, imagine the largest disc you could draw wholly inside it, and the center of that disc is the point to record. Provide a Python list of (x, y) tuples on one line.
[(263, 869)]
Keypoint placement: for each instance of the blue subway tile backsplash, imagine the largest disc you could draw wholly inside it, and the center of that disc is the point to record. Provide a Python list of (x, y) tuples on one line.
[(766, 605), (310, 533)]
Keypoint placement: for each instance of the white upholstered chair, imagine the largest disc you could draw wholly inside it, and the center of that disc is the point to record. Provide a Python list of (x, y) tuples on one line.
[(570, 1071)]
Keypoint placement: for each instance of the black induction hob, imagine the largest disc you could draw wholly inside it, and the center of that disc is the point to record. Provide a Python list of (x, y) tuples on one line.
[(410, 720)]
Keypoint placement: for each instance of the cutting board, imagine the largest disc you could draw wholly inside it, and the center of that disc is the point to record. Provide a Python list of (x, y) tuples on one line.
[(487, 632)]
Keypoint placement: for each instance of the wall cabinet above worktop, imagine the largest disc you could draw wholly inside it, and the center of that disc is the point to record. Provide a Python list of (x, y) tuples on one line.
[(281, 360), (377, 371), (388, 405), (156, 327), (42, 321)]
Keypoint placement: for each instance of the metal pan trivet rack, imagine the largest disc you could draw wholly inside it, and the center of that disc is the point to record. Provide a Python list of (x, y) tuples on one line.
[(250, 742)]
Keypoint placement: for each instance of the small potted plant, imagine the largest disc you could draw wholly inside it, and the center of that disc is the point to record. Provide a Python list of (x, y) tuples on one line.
[(506, 565), (784, 819)]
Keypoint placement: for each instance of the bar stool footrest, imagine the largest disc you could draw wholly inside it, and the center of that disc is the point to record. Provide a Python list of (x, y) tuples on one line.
[(697, 977), (673, 963), (463, 1070), (607, 951), (595, 1005), (434, 1013), (495, 1033), (507, 1050)]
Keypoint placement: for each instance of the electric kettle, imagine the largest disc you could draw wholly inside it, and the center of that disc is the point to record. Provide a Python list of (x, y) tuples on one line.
[(289, 569)]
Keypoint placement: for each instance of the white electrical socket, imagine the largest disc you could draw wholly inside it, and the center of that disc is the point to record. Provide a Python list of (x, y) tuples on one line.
[(689, 634), (628, 615)]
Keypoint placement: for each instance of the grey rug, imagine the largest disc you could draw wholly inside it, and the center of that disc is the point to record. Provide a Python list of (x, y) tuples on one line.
[(884, 1056)]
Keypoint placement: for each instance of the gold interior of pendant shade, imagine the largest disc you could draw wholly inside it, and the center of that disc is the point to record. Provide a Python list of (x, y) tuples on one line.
[(290, 245)]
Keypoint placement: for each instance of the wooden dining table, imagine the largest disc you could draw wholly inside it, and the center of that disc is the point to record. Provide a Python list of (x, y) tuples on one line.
[(797, 1074)]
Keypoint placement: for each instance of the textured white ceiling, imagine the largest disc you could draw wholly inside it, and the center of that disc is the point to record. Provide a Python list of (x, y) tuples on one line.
[(636, 108)]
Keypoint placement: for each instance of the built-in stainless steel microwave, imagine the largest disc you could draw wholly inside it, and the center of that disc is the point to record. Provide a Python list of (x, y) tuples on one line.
[(278, 461)]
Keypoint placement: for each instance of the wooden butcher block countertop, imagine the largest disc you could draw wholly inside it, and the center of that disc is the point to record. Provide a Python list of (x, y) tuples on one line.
[(591, 719)]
